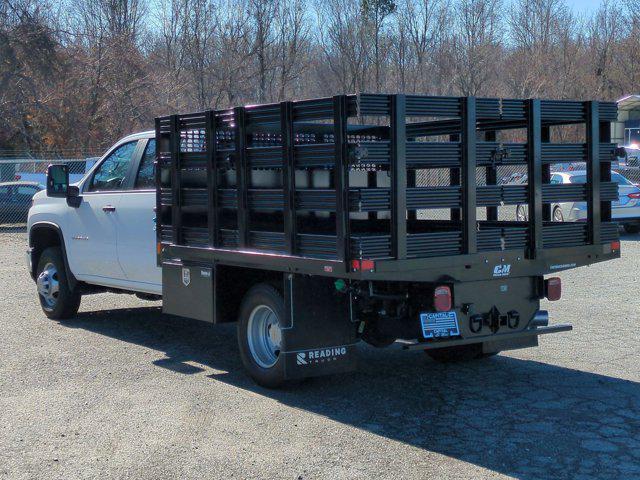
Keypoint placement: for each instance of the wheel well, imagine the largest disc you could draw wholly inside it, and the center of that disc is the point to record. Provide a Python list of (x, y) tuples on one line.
[(45, 236)]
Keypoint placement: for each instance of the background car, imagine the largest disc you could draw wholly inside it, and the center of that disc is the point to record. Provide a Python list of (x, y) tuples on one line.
[(626, 211), (15, 200)]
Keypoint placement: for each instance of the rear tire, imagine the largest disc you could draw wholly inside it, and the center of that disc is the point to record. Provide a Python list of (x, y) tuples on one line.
[(57, 300), (259, 335), (462, 353), (631, 228)]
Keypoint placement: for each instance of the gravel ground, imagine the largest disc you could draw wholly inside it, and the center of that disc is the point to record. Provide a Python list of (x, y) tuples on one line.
[(123, 392)]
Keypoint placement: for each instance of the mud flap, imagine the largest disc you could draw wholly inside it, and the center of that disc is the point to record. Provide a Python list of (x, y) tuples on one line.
[(319, 337)]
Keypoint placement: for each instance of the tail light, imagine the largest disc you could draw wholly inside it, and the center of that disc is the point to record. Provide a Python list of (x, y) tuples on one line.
[(553, 289), (363, 265), (634, 195), (17, 177), (442, 298)]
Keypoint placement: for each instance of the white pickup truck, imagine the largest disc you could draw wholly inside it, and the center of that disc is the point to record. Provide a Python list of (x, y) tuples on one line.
[(103, 237)]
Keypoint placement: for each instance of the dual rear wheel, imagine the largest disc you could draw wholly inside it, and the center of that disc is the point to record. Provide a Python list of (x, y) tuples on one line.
[(260, 326)]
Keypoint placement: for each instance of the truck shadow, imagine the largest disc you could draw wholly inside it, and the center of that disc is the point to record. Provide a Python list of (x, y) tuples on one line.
[(517, 417)]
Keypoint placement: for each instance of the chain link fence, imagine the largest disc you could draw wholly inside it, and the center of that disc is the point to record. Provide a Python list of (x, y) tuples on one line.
[(22, 178)]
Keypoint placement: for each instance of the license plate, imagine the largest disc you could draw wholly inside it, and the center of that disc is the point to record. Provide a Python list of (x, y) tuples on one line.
[(439, 325)]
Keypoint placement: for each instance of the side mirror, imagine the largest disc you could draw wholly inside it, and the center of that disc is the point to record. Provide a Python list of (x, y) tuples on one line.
[(57, 180)]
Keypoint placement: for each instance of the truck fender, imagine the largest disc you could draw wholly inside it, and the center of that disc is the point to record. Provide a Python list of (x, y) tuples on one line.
[(35, 252)]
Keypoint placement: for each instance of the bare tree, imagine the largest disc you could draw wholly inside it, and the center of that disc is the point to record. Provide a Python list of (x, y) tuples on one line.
[(262, 14), (342, 38), (374, 14), (83, 73), (476, 44), (604, 32), (537, 28), (424, 23), (292, 33)]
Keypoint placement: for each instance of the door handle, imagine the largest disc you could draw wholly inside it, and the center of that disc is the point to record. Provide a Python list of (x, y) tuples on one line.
[(108, 208)]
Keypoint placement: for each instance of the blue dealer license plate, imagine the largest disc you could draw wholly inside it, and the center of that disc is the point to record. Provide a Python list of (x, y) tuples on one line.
[(439, 325)]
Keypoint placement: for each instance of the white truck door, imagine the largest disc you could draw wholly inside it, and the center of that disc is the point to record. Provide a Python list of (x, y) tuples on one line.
[(136, 226), (92, 226)]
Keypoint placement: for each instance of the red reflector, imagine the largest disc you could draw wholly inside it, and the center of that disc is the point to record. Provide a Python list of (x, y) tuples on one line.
[(442, 298), (363, 265), (615, 245), (553, 289), (367, 265)]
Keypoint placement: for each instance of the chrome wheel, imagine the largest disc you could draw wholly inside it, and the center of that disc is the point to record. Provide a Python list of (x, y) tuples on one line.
[(557, 215), (521, 215), (48, 286), (264, 336)]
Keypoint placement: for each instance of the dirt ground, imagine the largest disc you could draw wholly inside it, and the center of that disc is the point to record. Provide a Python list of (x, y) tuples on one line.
[(124, 392)]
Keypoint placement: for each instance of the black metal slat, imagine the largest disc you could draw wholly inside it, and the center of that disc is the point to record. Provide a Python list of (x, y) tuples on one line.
[(341, 178), (176, 217), (241, 176), (490, 176), (212, 179), (288, 176), (534, 173), (593, 172), (398, 177), (469, 176)]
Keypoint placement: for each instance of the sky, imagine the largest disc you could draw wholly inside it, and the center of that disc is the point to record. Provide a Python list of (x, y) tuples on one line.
[(586, 6), (583, 6)]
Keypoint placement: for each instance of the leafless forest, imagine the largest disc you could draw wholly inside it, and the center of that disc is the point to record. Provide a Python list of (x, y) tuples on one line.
[(77, 74)]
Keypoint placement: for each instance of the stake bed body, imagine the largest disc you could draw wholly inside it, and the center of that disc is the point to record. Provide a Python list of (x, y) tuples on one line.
[(304, 195)]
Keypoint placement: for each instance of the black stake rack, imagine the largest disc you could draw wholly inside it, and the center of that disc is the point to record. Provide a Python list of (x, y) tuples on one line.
[(313, 185)]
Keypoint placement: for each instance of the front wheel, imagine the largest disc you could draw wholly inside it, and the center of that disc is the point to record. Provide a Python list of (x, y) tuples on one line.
[(57, 299), (521, 214), (557, 215), (260, 335)]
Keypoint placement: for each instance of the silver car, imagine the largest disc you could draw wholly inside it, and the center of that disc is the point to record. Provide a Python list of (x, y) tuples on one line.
[(626, 211)]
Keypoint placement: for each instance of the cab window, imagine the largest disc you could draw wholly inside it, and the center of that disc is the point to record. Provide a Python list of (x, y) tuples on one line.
[(112, 172), (27, 190), (145, 180)]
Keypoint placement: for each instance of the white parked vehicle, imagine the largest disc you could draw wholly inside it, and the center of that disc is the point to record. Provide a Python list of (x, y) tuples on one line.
[(107, 240), (626, 211)]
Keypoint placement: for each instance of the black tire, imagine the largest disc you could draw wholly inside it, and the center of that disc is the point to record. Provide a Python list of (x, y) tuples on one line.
[(260, 295), (67, 301), (631, 228), (462, 353)]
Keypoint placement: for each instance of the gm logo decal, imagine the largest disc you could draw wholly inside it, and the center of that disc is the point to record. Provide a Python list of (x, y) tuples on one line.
[(502, 270)]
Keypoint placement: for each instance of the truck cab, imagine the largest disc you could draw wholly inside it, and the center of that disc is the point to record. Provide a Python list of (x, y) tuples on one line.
[(100, 234)]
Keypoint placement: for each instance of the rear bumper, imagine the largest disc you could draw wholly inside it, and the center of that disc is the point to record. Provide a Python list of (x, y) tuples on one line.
[(497, 342)]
